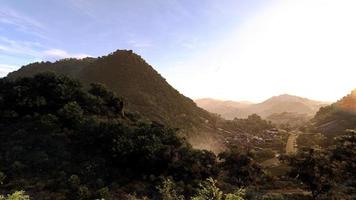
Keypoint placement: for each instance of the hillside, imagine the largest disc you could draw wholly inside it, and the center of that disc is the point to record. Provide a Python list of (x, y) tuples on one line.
[(337, 117), (59, 140), (275, 105), (127, 74), (292, 119)]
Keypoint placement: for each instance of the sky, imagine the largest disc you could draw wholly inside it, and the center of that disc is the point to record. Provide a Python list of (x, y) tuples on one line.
[(227, 49)]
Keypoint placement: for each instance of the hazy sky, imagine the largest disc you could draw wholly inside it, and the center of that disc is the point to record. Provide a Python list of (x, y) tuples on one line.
[(226, 49)]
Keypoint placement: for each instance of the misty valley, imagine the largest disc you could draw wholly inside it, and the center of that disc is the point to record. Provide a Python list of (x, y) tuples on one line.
[(112, 127)]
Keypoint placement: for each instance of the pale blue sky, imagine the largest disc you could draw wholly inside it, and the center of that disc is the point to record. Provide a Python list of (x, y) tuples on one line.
[(226, 49), (162, 31)]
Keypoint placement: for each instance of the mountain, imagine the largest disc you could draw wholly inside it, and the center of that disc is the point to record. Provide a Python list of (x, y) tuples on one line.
[(337, 117), (132, 78), (146, 93), (278, 104), (226, 109), (53, 131)]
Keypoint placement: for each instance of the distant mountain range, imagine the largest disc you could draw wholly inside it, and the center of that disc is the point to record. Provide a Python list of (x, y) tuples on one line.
[(144, 90), (287, 104)]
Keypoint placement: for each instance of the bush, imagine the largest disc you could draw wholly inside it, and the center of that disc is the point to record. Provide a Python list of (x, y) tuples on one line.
[(168, 191), (209, 190), (18, 195)]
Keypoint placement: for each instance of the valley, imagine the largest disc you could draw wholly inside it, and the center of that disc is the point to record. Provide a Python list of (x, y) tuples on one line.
[(177, 100), (128, 130)]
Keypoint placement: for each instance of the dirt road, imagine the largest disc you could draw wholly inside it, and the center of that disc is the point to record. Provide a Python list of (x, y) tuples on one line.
[(291, 146)]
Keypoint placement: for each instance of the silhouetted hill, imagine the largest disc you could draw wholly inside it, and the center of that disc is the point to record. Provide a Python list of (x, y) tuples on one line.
[(277, 104), (127, 74)]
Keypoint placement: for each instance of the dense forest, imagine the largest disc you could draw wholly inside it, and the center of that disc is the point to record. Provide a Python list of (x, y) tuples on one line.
[(60, 140)]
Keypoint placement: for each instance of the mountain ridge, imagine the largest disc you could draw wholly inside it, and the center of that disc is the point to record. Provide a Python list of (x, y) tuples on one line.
[(132, 78), (275, 104)]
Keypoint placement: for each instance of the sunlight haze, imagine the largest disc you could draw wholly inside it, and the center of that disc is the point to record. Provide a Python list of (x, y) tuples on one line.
[(233, 50), (305, 48)]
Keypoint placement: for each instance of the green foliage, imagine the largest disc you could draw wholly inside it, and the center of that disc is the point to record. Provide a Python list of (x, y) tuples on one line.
[(83, 193), (57, 135), (168, 191), (344, 151), (103, 193), (239, 194), (328, 173), (18, 195), (134, 197), (240, 168), (313, 169), (209, 191), (343, 157)]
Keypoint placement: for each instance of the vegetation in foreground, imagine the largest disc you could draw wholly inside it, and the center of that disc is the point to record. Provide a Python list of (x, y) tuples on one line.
[(61, 141)]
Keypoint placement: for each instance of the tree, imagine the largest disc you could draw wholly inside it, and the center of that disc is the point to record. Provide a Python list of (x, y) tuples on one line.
[(239, 168), (209, 190), (168, 191), (51, 128), (313, 168), (344, 152), (343, 158)]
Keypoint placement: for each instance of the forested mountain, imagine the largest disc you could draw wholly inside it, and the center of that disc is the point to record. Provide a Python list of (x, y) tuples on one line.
[(274, 105), (144, 92), (127, 74), (338, 116), (59, 140), (62, 140)]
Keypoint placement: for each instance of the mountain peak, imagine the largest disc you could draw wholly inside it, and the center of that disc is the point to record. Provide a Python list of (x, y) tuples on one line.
[(132, 78), (125, 56), (285, 97)]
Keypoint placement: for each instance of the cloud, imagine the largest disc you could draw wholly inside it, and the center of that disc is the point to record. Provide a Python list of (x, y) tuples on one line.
[(56, 54), (9, 46), (16, 53), (5, 69), (23, 22), (35, 50)]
